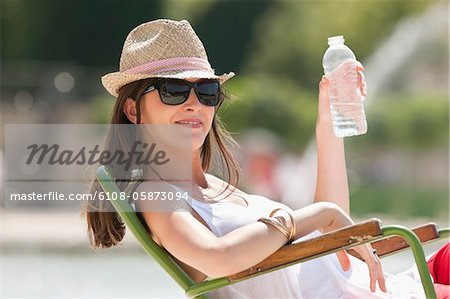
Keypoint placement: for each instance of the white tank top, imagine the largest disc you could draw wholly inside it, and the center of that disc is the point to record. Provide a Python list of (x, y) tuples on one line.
[(320, 278)]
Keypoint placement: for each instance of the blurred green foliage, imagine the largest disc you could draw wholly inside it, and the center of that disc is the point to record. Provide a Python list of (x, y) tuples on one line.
[(410, 120), (278, 105), (291, 38), (100, 110), (400, 200), (90, 33)]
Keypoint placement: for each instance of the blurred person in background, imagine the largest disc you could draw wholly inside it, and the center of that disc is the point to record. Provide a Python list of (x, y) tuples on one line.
[(165, 78), (273, 173), (260, 159), (1, 172)]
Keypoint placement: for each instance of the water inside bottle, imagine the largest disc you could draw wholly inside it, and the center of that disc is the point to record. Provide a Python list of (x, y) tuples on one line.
[(348, 120), (346, 101)]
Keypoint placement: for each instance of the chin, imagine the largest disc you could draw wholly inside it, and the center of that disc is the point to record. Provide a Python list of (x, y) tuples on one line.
[(197, 144)]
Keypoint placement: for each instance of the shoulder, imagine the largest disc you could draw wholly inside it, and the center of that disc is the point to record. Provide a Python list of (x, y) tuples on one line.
[(160, 196), (151, 185), (219, 184)]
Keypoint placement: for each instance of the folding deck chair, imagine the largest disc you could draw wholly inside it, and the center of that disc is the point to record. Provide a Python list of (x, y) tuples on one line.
[(386, 240)]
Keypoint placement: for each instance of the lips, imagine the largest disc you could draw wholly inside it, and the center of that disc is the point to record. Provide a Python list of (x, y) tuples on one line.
[(190, 123)]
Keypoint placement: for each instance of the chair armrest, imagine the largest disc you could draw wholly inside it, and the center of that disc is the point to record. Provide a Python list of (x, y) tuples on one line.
[(324, 244), (425, 232)]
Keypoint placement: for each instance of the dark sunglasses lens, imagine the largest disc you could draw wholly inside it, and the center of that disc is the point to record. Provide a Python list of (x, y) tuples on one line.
[(174, 92), (209, 93)]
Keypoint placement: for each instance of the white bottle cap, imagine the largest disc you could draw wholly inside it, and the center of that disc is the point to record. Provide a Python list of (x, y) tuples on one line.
[(336, 40)]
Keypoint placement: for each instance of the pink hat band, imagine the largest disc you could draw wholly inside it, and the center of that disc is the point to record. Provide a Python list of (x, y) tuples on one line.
[(172, 64)]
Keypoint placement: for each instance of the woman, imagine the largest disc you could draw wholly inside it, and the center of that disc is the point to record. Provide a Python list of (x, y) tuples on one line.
[(165, 79)]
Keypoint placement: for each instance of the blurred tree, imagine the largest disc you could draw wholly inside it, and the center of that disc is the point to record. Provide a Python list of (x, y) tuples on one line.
[(288, 45), (225, 27), (90, 33), (287, 110), (192, 10), (413, 120), (291, 38), (227, 30)]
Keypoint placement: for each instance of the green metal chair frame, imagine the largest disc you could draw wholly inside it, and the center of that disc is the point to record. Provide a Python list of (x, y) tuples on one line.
[(369, 231)]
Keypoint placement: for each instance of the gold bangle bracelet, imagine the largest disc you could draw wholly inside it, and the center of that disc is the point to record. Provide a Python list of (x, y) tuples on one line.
[(275, 223), (292, 230)]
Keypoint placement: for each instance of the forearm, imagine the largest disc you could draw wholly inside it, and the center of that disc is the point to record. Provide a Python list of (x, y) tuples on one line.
[(332, 182), (250, 244), (246, 246), (322, 216)]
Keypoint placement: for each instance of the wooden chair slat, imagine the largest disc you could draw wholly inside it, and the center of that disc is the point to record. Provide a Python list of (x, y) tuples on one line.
[(425, 232), (308, 248)]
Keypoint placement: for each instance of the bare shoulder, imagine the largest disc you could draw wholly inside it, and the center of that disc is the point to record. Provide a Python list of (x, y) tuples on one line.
[(160, 196), (217, 183), (155, 186)]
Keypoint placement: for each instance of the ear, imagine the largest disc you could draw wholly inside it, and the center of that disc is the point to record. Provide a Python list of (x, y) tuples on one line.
[(130, 110)]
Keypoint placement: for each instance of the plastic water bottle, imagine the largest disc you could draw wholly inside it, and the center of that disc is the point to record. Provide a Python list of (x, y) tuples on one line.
[(346, 99)]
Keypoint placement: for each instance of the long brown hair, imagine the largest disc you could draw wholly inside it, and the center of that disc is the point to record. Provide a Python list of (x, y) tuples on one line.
[(105, 227)]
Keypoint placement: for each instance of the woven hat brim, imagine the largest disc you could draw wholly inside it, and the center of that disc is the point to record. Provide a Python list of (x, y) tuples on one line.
[(114, 81)]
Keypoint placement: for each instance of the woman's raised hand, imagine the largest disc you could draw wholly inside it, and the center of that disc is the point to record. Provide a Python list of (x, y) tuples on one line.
[(324, 111)]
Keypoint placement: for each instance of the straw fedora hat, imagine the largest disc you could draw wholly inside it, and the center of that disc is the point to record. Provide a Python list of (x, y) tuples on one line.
[(161, 48)]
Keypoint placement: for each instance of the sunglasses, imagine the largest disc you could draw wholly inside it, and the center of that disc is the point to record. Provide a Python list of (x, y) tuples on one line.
[(176, 91)]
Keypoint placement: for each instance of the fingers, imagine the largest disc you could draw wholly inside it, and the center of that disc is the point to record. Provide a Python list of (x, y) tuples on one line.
[(359, 66), (324, 111), (375, 267), (343, 260), (381, 278), (362, 83), (361, 78), (324, 84), (373, 272), (324, 81), (376, 274), (348, 67)]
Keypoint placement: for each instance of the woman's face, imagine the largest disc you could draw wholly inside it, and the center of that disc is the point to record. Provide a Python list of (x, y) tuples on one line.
[(192, 116)]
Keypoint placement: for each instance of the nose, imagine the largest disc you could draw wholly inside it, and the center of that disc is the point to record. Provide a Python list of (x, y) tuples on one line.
[(192, 102)]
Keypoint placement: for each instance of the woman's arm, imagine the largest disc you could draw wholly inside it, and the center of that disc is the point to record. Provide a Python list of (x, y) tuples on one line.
[(332, 183), (192, 243), (186, 238)]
